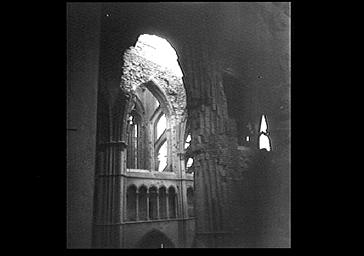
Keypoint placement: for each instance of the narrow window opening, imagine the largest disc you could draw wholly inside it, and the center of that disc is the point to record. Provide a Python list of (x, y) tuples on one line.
[(161, 125), (263, 125), (189, 164), (187, 147), (188, 141), (264, 140), (162, 157), (133, 151)]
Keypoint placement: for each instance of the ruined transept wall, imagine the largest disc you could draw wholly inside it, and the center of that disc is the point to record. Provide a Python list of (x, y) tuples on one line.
[(251, 40)]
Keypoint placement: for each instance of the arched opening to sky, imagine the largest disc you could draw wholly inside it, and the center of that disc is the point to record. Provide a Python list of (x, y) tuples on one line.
[(160, 51)]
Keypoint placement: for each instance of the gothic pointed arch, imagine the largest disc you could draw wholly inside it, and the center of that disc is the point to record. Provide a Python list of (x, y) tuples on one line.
[(143, 202), (172, 202), (153, 202), (131, 202), (162, 192)]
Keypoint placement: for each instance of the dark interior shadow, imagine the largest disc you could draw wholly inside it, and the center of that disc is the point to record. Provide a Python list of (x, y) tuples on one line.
[(155, 239)]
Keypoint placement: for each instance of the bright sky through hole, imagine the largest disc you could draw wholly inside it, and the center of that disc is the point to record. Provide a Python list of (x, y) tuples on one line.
[(159, 51)]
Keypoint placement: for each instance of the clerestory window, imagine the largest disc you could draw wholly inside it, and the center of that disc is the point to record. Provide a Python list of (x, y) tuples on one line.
[(160, 142), (161, 126), (162, 157)]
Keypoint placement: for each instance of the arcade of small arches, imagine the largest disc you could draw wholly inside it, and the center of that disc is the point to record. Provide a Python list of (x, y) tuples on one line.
[(155, 203)]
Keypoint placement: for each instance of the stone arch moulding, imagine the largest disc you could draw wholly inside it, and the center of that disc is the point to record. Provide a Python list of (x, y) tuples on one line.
[(142, 186), (162, 187), (152, 187), (172, 187)]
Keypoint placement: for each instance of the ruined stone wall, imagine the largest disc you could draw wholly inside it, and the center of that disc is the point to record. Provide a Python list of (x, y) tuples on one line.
[(230, 35), (226, 176)]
